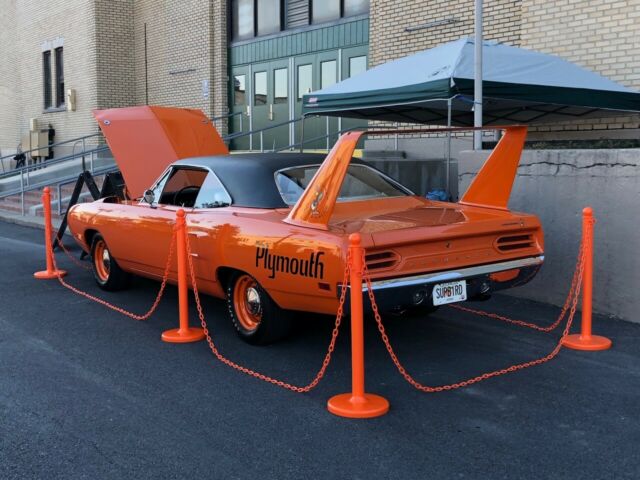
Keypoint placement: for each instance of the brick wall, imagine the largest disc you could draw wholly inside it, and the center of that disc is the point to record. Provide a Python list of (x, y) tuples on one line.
[(9, 78), (600, 35), (114, 53), (389, 40), (28, 25), (179, 37)]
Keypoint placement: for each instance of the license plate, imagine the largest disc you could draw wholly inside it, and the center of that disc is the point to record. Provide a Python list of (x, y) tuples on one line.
[(450, 292)]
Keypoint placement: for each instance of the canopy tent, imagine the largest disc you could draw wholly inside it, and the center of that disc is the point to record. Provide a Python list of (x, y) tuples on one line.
[(520, 86)]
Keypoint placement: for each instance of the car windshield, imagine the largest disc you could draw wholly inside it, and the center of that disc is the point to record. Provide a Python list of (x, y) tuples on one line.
[(360, 183)]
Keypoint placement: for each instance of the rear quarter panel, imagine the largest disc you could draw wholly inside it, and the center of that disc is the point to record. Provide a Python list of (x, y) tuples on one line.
[(299, 267)]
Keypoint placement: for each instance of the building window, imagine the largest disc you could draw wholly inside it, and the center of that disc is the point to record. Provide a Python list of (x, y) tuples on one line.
[(251, 18), (260, 88), (357, 65), (305, 76), (280, 85), (328, 10), (239, 90), (325, 10), (269, 16), (46, 79), (59, 78), (328, 73), (354, 7), (243, 19)]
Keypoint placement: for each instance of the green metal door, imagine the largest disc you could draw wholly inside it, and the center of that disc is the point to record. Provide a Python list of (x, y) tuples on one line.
[(270, 105), (354, 61), (239, 101), (313, 72)]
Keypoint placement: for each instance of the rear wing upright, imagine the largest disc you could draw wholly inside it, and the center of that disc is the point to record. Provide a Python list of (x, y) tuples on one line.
[(492, 185), (491, 188), (316, 204)]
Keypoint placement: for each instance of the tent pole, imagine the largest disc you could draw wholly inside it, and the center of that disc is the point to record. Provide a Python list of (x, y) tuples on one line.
[(448, 189), (477, 81)]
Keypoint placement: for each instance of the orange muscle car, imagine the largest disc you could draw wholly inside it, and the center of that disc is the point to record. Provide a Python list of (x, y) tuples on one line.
[(269, 232)]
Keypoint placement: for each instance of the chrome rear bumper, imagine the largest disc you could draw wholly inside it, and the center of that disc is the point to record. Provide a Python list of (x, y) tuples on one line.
[(404, 291), (458, 274)]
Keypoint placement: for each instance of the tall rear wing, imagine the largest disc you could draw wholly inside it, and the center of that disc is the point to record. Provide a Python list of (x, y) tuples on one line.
[(491, 188)]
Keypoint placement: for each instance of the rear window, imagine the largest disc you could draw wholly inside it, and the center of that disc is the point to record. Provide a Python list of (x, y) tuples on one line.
[(360, 183)]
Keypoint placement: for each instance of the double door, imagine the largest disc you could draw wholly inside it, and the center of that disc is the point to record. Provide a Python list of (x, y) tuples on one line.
[(319, 71), (261, 92), (269, 94)]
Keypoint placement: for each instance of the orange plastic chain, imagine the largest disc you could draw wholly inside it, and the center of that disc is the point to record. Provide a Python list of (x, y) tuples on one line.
[(258, 375), (573, 291), (73, 259), (156, 302), (572, 300)]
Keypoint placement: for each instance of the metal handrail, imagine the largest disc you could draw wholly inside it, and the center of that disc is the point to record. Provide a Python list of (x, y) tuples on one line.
[(63, 181), (233, 136), (28, 185), (73, 140), (228, 115), (321, 137), (55, 161)]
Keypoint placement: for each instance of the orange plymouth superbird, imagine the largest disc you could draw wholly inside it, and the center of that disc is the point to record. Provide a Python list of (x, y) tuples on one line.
[(269, 232)]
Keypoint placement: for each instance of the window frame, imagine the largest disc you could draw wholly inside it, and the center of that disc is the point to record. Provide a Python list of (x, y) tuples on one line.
[(282, 26), (166, 174), (342, 15), (393, 182), (60, 94), (47, 91)]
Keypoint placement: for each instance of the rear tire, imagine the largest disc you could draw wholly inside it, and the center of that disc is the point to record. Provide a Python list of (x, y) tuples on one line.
[(255, 316), (108, 274)]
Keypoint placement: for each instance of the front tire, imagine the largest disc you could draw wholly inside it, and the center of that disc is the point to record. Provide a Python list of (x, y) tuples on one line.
[(256, 317), (108, 274)]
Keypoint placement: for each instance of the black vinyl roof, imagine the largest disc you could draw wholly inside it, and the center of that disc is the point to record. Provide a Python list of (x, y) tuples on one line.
[(249, 177)]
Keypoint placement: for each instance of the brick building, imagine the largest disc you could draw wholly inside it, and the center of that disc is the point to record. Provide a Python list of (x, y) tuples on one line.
[(257, 57)]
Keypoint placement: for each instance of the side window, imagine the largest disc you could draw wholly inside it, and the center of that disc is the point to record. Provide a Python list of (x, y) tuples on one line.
[(182, 187), (212, 194)]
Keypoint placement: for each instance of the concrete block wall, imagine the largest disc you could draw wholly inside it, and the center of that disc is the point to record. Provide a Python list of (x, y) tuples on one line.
[(556, 185)]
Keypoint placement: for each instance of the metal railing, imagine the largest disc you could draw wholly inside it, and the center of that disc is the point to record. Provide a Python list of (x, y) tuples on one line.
[(228, 116), (326, 136), (28, 186), (72, 141), (260, 132)]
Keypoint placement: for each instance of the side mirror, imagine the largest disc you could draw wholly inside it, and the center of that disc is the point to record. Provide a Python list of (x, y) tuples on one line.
[(149, 197)]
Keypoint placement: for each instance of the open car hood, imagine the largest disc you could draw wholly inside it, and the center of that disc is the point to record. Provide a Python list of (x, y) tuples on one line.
[(145, 140)]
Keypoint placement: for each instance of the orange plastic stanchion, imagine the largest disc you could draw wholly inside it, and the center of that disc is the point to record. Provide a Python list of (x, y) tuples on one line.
[(584, 340), (185, 333), (51, 271), (357, 404)]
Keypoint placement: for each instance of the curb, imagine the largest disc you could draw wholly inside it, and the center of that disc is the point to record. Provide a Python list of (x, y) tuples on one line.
[(27, 220)]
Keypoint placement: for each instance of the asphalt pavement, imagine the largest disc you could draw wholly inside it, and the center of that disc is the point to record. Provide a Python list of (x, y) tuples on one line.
[(86, 392)]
